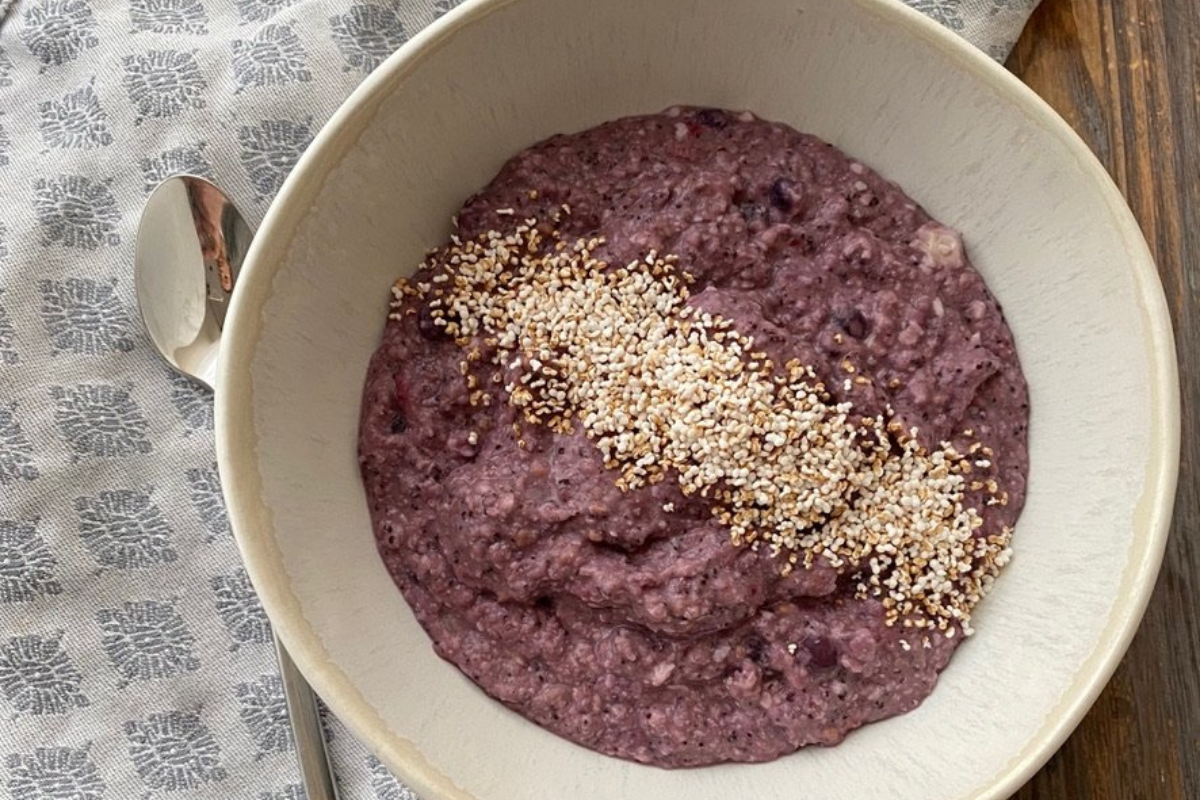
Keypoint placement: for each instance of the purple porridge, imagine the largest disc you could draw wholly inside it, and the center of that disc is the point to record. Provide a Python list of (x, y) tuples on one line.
[(642, 442)]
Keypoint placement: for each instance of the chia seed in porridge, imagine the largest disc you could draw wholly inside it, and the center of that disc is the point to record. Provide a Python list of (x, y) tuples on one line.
[(698, 442)]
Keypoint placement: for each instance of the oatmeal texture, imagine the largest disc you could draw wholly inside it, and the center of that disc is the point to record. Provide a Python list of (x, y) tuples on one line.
[(628, 621)]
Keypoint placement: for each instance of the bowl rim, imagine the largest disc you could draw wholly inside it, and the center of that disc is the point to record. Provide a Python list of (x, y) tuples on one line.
[(234, 425)]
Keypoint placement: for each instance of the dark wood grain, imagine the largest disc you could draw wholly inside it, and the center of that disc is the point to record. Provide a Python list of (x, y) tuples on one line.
[(1126, 75)]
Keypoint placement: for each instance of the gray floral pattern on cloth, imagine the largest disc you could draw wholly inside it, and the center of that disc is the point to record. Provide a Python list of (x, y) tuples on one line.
[(135, 659)]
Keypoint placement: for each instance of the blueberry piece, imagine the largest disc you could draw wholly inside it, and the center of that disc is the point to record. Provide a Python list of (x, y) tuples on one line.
[(853, 322), (712, 118), (756, 649), (804, 242), (751, 211), (428, 328), (399, 423), (822, 653), (780, 193)]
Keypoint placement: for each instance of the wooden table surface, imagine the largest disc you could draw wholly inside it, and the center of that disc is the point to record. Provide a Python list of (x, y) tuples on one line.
[(1126, 75)]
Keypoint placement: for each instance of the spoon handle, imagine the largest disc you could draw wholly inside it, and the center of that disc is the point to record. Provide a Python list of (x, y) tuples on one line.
[(306, 727)]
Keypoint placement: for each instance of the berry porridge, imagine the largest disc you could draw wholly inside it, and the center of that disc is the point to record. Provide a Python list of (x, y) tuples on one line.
[(699, 441)]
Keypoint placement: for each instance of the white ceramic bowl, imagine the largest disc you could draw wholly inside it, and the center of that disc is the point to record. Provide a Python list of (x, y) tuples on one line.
[(1043, 222)]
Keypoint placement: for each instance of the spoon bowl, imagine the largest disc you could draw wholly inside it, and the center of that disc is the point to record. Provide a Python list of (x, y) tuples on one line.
[(190, 246)]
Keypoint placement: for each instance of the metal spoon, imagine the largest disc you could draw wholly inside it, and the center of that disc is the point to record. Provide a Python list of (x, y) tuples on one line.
[(190, 245)]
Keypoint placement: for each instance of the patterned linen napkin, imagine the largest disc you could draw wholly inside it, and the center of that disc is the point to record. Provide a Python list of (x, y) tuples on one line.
[(135, 660)]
